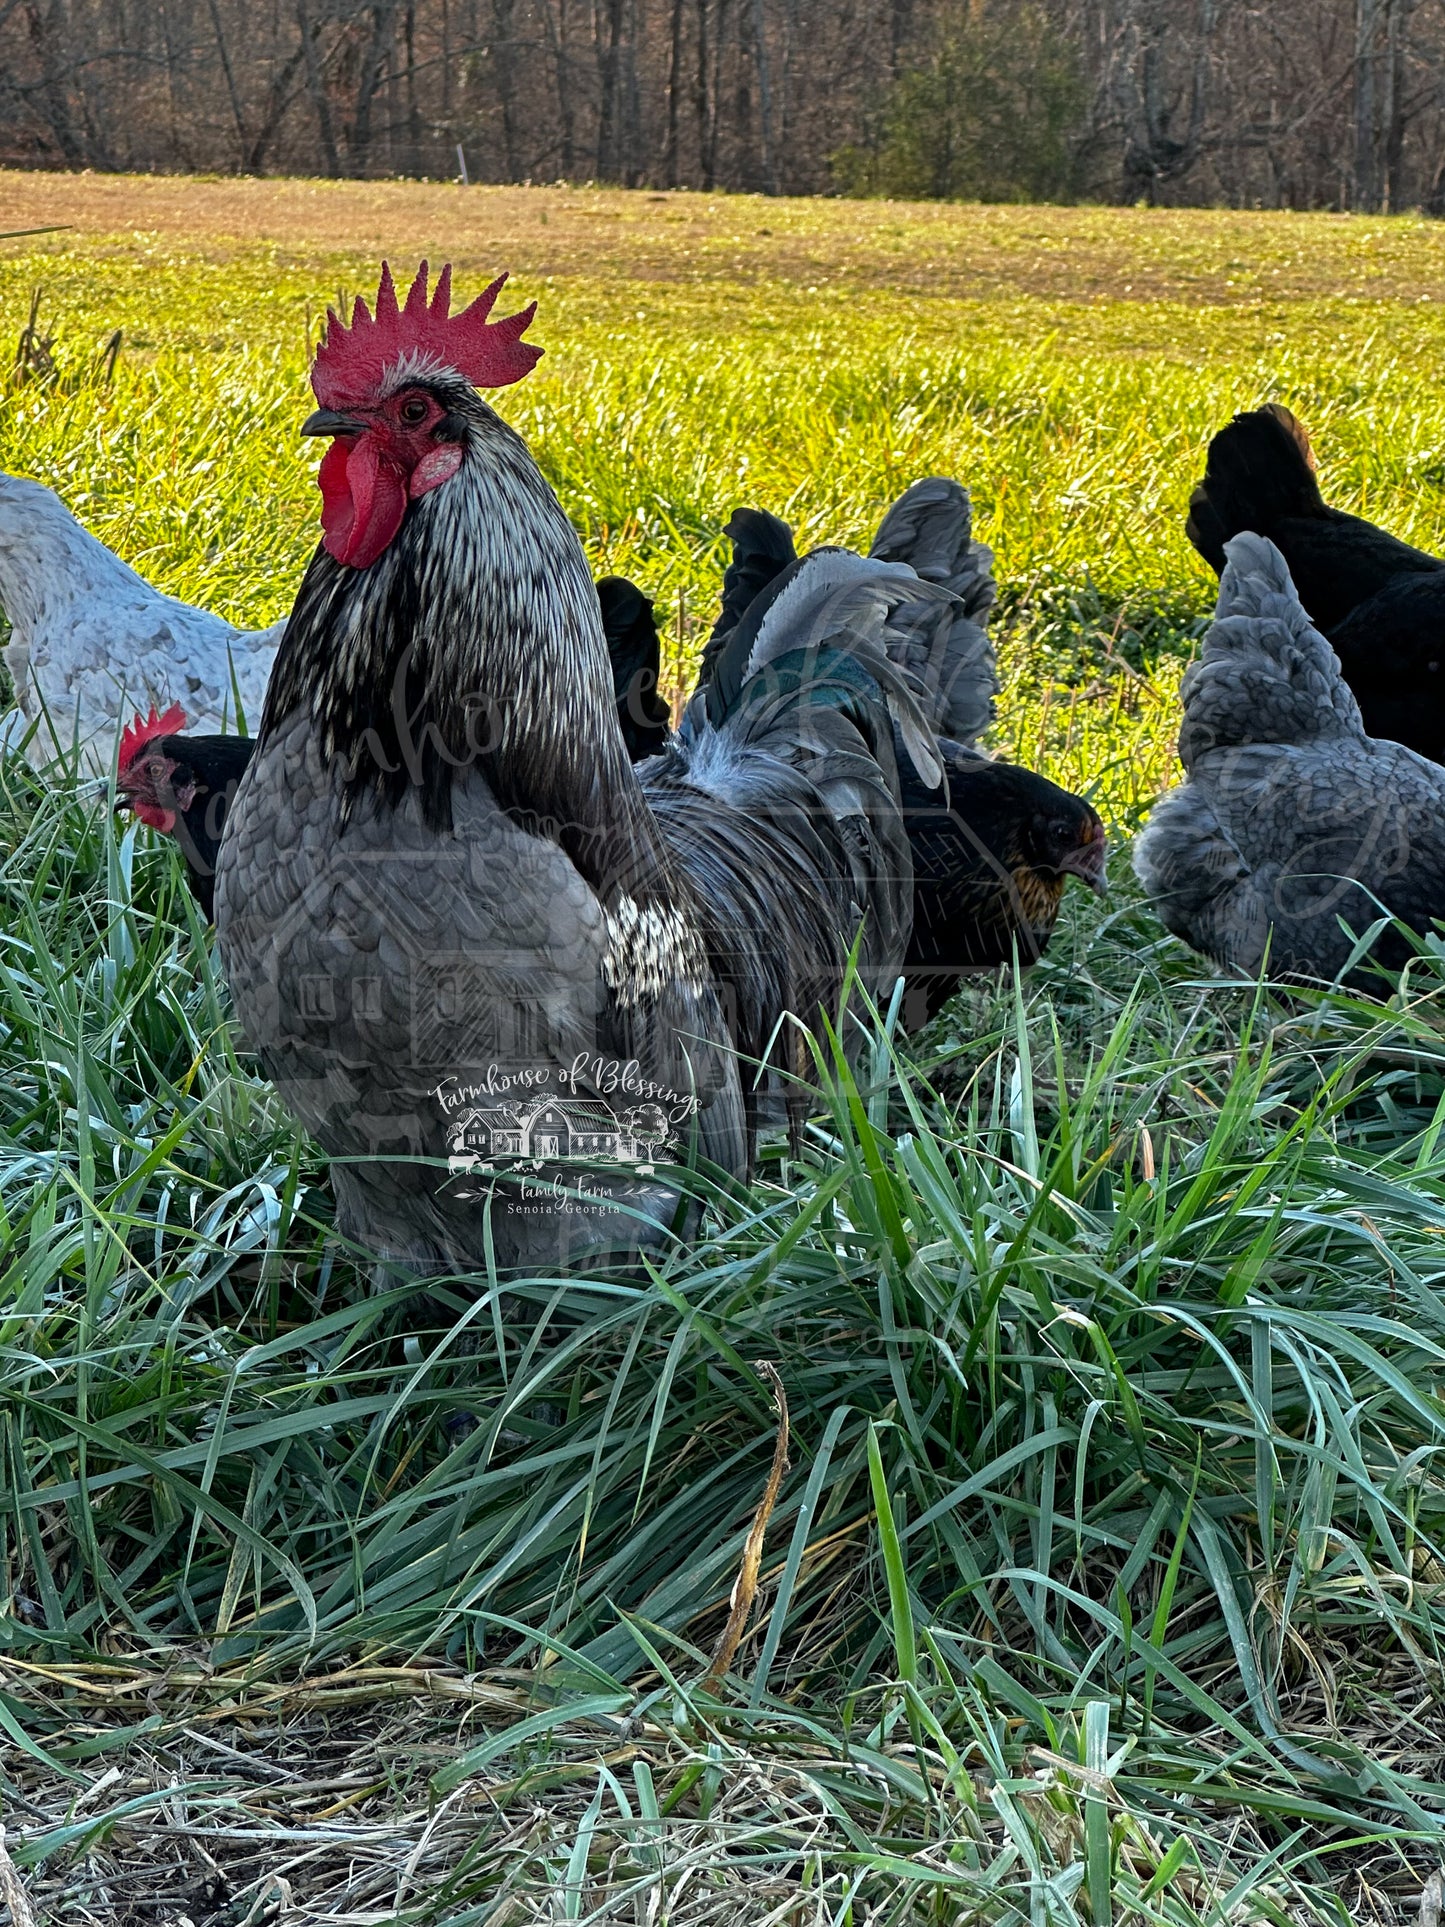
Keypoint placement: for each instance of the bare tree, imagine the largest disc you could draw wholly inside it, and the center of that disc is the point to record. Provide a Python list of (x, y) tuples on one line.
[(375, 60), (504, 71), (48, 27), (309, 32), (669, 160), (233, 93), (765, 100), (1310, 103)]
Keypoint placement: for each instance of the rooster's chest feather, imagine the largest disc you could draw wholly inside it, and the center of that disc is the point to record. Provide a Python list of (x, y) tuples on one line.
[(371, 957)]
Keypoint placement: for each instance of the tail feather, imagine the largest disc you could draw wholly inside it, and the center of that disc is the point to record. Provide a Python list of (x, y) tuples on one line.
[(1260, 471), (1264, 674), (762, 549), (635, 651), (930, 528), (797, 730), (832, 609)]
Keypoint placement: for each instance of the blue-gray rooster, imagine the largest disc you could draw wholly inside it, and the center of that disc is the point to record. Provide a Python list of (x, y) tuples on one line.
[(480, 954)]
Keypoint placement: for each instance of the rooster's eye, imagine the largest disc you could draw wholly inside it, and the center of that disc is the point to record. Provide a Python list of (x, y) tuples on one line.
[(413, 411)]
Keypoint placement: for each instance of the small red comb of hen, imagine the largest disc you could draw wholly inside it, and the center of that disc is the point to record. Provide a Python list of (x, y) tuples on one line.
[(351, 361), (134, 739)]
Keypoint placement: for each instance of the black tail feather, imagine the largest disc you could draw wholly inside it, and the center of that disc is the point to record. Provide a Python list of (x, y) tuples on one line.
[(930, 529), (635, 651), (762, 549)]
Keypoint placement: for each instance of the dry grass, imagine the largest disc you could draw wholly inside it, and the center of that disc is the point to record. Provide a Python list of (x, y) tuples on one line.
[(961, 253), (229, 1801)]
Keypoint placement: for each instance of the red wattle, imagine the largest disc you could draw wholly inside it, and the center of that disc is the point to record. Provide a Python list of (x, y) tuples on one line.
[(362, 501)]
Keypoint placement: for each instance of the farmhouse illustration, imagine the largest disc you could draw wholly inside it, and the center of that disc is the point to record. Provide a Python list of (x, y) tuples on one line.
[(555, 1127)]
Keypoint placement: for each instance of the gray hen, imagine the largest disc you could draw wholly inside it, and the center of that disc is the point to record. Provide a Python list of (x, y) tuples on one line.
[(1293, 824), (460, 929)]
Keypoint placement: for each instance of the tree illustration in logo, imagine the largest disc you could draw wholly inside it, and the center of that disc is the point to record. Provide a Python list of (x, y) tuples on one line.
[(647, 1125)]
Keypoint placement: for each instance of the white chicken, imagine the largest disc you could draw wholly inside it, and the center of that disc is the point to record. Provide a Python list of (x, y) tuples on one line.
[(92, 642)]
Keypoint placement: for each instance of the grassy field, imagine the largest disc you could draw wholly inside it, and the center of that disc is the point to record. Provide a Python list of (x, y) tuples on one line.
[(1107, 1583)]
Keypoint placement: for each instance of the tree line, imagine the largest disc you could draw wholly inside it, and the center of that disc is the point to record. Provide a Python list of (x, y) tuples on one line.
[(1278, 103)]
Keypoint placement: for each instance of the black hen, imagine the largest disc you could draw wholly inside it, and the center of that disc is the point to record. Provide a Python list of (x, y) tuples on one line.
[(990, 864), (1379, 602), (993, 853), (182, 786)]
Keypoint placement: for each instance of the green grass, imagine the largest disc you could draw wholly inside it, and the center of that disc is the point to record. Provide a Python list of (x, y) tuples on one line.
[(1106, 1582)]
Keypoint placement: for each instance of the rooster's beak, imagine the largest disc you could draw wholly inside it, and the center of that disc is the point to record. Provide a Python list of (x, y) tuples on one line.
[(326, 421)]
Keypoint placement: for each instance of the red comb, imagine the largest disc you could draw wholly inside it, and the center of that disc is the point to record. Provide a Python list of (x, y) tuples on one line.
[(134, 739), (351, 361)]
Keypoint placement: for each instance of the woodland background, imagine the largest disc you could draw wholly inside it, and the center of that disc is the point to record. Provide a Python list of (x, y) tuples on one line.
[(1281, 103)]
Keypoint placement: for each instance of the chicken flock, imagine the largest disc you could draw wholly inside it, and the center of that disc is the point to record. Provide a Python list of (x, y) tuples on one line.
[(1311, 826), (517, 948)]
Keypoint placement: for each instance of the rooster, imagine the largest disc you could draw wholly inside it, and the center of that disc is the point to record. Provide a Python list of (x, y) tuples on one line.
[(460, 928), (1379, 603), (90, 639), (994, 847), (1294, 828)]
